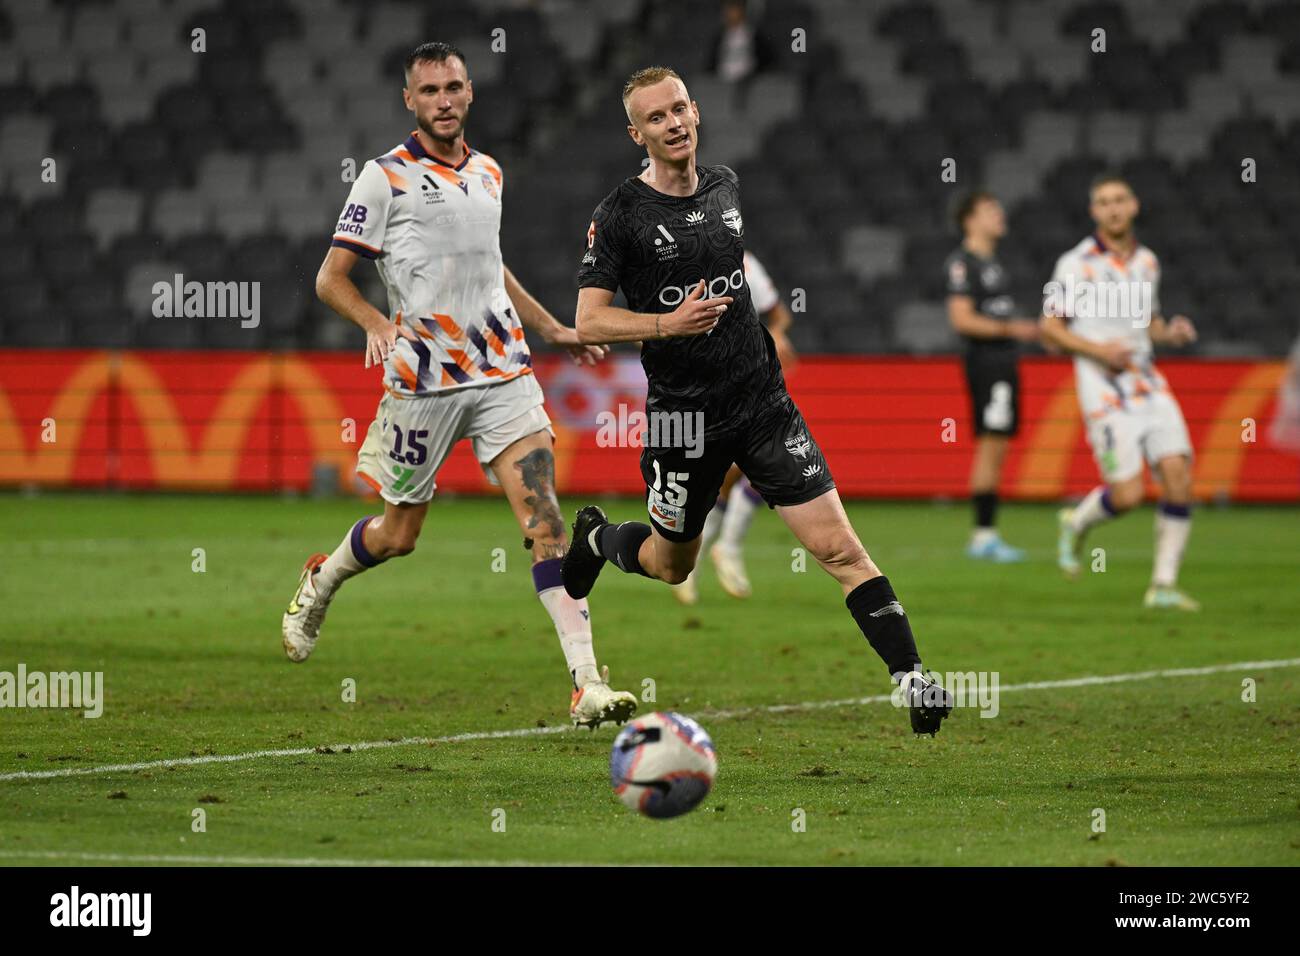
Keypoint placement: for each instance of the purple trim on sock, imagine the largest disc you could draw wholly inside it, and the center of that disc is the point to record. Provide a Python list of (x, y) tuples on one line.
[(721, 503), (359, 551), (546, 575), (750, 493), (1105, 503), (1171, 510)]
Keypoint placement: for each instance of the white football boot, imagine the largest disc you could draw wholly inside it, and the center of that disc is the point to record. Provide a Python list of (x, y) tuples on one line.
[(1068, 544), (594, 703), (1163, 596), (686, 592), (300, 626), (731, 570)]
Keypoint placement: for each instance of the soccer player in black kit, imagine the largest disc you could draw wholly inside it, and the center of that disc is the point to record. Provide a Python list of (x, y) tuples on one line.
[(981, 310), (672, 239)]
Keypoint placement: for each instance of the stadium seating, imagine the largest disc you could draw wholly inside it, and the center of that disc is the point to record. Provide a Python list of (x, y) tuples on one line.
[(231, 164)]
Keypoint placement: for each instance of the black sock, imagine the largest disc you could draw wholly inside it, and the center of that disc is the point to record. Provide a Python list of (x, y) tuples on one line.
[(621, 542), (986, 508), (884, 623)]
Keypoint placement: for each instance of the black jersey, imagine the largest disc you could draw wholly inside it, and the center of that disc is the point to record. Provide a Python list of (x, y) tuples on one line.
[(987, 283), (657, 248)]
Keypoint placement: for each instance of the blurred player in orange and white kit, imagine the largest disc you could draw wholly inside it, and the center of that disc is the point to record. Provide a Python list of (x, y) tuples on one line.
[(1102, 306), (729, 521), (456, 365)]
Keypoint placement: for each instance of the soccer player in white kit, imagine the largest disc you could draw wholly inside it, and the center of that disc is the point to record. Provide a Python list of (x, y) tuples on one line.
[(728, 523), (1102, 306), (428, 212)]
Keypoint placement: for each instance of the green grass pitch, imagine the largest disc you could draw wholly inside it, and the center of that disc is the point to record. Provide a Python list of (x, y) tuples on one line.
[(439, 644)]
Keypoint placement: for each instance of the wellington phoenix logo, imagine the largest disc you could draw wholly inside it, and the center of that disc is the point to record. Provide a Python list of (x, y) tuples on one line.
[(731, 219)]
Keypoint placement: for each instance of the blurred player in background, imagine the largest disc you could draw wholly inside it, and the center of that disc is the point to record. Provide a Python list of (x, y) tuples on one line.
[(456, 365), (731, 516), (1103, 307), (981, 310), (671, 239)]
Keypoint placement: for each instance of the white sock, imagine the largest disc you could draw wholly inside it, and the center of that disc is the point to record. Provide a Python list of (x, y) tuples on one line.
[(1172, 531), (343, 562), (713, 524), (572, 620), (1092, 510), (740, 512), (981, 536)]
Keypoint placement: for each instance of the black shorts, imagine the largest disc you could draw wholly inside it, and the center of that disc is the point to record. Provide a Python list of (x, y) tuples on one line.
[(774, 449), (993, 376)]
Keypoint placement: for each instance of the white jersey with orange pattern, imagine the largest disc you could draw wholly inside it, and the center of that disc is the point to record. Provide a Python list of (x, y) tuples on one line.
[(762, 291), (433, 230), (1104, 297)]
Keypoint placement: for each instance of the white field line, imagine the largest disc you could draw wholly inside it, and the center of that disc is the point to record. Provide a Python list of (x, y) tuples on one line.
[(706, 714), (165, 858)]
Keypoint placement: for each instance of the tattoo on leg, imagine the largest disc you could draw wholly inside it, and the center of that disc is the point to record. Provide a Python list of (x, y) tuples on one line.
[(537, 470), (552, 549)]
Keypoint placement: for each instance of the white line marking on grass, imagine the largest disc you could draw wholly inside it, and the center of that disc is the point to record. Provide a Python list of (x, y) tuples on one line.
[(287, 752), (1091, 681), (259, 860), (1032, 685)]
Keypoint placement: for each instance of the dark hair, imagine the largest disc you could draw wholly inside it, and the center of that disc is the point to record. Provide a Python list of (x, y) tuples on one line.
[(966, 206), (1109, 176), (435, 52)]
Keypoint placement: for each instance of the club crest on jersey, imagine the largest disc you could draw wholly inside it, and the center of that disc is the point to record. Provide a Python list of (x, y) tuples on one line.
[(799, 446), (489, 184), (731, 219)]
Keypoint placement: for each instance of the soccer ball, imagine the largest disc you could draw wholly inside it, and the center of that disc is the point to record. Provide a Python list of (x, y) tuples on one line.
[(662, 765)]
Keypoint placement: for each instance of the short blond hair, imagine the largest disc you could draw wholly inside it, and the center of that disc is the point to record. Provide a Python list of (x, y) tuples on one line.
[(646, 77)]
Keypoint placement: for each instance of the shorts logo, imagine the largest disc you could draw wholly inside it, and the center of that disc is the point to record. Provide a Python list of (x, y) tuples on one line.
[(731, 219), (799, 446), (1109, 462), (668, 517), (812, 470)]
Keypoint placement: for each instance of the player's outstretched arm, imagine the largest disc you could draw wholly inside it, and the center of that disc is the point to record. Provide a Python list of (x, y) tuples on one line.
[(536, 318), (598, 322)]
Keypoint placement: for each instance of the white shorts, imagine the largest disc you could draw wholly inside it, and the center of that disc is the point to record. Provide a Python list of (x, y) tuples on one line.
[(1148, 429), (410, 438)]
